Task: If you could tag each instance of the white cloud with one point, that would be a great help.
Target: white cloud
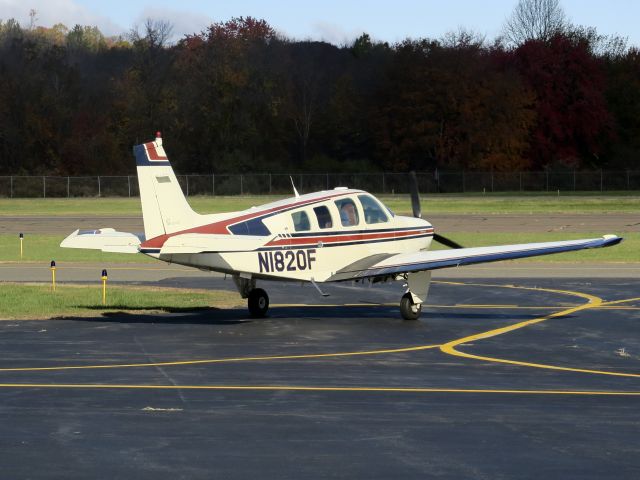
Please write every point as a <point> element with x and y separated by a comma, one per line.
<point>50,12</point>
<point>335,34</point>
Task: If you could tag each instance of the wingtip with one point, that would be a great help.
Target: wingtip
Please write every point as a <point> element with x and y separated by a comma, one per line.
<point>611,240</point>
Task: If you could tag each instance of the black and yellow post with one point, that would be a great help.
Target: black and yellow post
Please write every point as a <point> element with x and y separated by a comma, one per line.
<point>53,275</point>
<point>21,240</point>
<point>104,287</point>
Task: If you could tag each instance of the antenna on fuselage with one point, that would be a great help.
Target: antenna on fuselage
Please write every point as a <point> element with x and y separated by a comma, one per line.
<point>294,187</point>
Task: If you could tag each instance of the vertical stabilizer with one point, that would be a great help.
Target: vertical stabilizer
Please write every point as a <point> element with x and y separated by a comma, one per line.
<point>164,207</point>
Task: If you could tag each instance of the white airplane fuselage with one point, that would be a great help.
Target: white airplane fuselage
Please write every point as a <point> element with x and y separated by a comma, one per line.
<point>295,252</point>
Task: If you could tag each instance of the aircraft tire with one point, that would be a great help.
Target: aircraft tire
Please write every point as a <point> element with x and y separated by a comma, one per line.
<point>408,309</point>
<point>258,303</point>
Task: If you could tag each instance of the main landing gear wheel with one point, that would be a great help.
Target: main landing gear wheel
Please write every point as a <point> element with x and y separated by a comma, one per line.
<point>258,302</point>
<point>408,309</point>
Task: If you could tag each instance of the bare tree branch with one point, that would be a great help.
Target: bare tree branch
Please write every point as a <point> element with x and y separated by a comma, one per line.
<point>534,20</point>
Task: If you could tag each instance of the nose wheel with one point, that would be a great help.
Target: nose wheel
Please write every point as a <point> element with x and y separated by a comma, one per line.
<point>408,309</point>
<point>258,302</point>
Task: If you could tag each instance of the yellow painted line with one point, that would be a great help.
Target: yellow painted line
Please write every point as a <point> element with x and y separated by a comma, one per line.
<point>223,360</point>
<point>617,302</point>
<point>593,302</point>
<point>297,388</point>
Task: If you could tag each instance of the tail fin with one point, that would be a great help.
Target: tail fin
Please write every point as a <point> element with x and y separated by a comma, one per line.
<point>164,207</point>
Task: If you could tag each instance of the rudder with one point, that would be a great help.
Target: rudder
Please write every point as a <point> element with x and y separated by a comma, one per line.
<point>164,207</point>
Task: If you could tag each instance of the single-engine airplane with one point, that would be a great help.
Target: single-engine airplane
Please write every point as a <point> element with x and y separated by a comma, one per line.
<point>329,236</point>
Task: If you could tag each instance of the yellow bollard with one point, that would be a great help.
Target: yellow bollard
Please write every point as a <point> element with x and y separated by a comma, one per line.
<point>104,287</point>
<point>53,275</point>
<point>21,239</point>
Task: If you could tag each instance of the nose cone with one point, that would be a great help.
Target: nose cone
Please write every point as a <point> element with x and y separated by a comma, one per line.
<point>412,222</point>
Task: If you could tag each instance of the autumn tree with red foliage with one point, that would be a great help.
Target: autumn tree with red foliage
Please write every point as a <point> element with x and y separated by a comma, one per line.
<point>573,121</point>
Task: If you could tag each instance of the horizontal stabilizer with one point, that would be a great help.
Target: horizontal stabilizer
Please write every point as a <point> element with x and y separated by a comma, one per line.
<point>189,243</point>
<point>105,239</point>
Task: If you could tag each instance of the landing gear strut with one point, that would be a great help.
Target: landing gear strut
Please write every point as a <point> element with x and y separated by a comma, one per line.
<point>417,290</point>
<point>258,302</point>
<point>408,309</point>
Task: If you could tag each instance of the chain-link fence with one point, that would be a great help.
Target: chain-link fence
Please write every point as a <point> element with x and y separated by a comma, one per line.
<point>280,183</point>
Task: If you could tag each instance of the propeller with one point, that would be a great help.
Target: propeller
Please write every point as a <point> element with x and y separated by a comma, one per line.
<point>417,211</point>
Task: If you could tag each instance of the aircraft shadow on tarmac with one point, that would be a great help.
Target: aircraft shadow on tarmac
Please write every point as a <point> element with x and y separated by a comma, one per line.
<point>231,316</point>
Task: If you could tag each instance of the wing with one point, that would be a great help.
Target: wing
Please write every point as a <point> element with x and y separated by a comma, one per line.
<point>432,260</point>
<point>105,239</point>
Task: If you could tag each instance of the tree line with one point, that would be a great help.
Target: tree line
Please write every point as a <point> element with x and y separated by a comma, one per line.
<point>238,97</point>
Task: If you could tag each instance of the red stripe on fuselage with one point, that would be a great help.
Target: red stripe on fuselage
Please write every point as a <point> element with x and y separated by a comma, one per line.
<point>220,227</point>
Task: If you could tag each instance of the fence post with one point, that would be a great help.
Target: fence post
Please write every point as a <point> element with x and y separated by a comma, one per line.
<point>68,181</point>
<point>129,185</point>
<point>628,184</point>
<point>99,187</point>
<point>44,187</point>
<point>600,179</point>
<point>546,174</point>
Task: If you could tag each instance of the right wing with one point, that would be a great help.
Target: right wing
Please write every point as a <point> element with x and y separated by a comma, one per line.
<point>386,265</point>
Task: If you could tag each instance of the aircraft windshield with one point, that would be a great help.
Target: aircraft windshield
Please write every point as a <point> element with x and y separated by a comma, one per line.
<point>373,212</point>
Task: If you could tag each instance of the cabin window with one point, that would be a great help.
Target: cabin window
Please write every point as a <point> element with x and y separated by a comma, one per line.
<point>250,227</point>
<point>300,221</point>
<point>324,217</point>
<point>348,212</point>
<point>373,212</point>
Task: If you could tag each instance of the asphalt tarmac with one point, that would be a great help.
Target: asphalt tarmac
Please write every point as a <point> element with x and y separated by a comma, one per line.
<point>523,378</point>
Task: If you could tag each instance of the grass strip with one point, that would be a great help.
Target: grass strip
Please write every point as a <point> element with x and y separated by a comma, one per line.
<point>38,301</point>
<point>520,203</point>
<point>44,248</point>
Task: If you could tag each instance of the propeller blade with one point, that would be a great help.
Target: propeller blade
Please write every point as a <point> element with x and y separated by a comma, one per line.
<point>415,196</point>
<point>446,242</point>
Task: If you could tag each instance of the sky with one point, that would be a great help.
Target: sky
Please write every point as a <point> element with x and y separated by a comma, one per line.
<point>335,21</point>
